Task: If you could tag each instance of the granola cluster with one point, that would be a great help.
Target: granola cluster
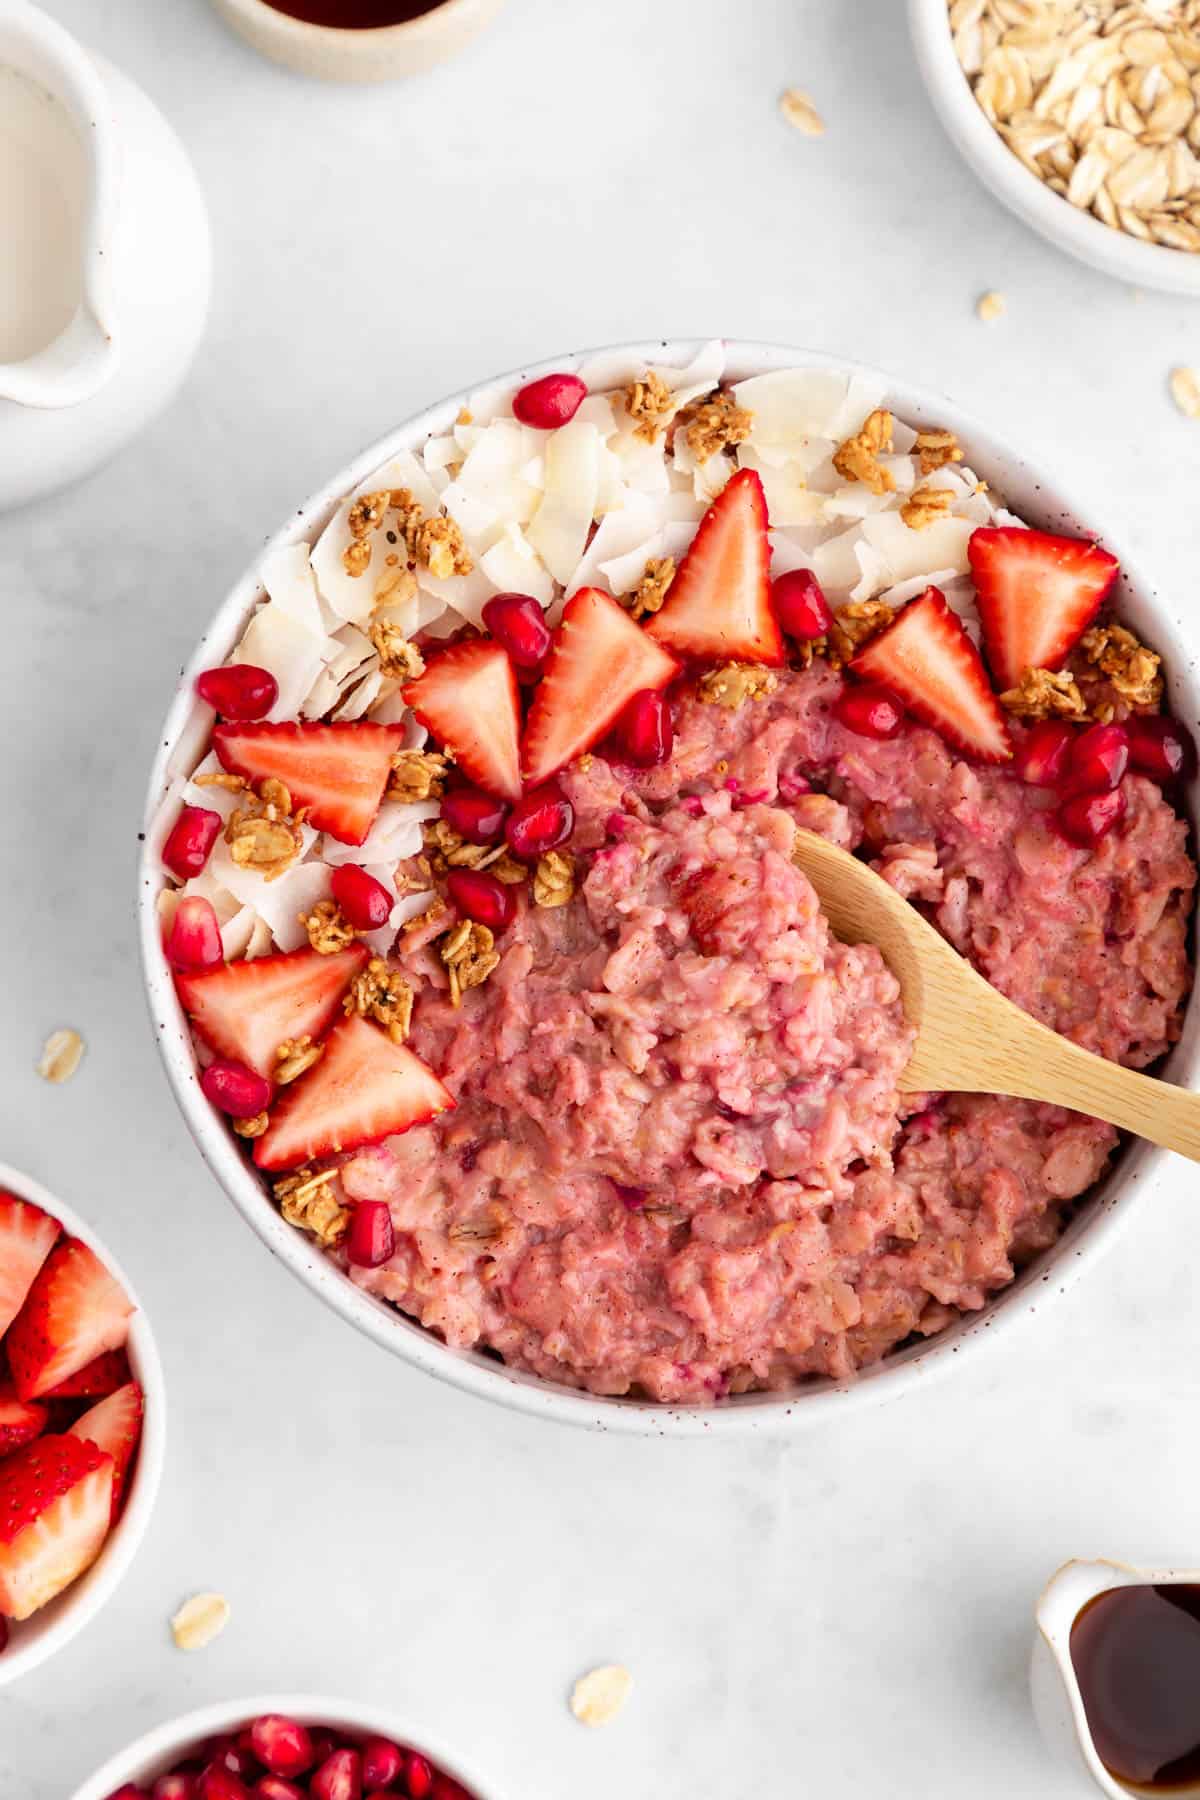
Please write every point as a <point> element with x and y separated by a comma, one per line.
<point>925,506</point>
<point>307,1201</point>
<point>470,955</point>
<point>1043,694</point>
<point>554,879</point>
<point>382,994</point>
<point>651,404</point>
<point>418,775</point>
<point>732,684</point>
<point>398,658</point>
<point>857,459</point>
<point>853,626</point>
<point>715,424</point>
<point>328,930</point>
<point>265,834</point>
<point>432,540</point>
<point>651,591</point>
<point>935,447</point>
<point>294,1057</point>
<point>1131,671</point>
<point>1111,675</point>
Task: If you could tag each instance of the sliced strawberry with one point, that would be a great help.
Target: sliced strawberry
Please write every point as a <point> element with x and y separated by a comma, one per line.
<point>103,1375</point>
<point>719,605</point>
<point>245,1010</point>
<point>20,1420</point>
<point>75,1310</point>
<point>599,661</point>
<point>364,1088</point>
<point>468,698</point>
<point>115,1425</point>
<point>27,1236</point>
<point>1037,596</point>
<point>338,772</point>
<point>927,659</point>
<point>55,1509</point>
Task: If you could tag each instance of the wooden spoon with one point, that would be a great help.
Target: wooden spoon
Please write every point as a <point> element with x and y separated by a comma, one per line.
<point>970,1039</point>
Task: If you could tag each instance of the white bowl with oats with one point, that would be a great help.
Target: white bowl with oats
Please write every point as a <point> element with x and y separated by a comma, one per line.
<point>1085,122</point>
<point>587,509</point>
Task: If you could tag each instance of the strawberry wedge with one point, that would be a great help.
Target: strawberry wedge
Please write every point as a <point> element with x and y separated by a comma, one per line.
<point>20,1420</point>
<point>27,1236</point>
<point>468,699</point>
<point>1037,596</point>
<point>719,605</point>
<point>115,1425</point>
<point>75,1310</point>
<point>103,1375</point>
<point>339,772</point>
<point>599,660</point>
<point>927,659</point>
<point>364,1088</point>
<point>245,1010</point>
<point>55,1511</point>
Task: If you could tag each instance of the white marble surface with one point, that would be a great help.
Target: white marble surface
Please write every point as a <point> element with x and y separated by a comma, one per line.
<point>845,1612</point>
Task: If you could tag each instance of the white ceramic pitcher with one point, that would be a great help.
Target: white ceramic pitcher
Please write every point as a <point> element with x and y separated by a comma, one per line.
<point>133,276</point>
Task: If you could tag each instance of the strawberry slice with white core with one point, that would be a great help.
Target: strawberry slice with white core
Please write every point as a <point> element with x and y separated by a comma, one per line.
<point>74,1311</point>
<point>245,1010</point>
<point>27,1236</point>
<point>339,772</point>
<point>468,699</point>
<point>1037,596</point>
<point>55,1510</point>
<point>364,1088</point>
<point>599,661</point>
<point>927,659</point>
<point>718,607</point>
<point>20,1420</point>
<point>115,1425</point>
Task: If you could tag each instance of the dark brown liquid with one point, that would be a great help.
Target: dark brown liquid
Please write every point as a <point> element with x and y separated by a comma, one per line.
<point>355,15</point>
<point>1136,1652</point>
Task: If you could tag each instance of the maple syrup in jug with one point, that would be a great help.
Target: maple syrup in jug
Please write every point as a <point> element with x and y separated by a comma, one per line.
<point>1136,1654</point>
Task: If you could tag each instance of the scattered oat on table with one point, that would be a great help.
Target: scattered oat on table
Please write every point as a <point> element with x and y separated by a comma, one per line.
<point>1185,391</point>
<point>61,1055</point>
<point>599,1696</point>
<point>199,1620</point>
<point>800,112</point>
<point>990,306</point>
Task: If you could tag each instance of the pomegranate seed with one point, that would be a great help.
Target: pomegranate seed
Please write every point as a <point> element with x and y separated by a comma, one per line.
<point>1099,758</point>
<point>130,1791</point>
<point>482,897</point>
<point>632,1198</point>
<point>540,821</point>
<point>274,1787</point>
<point>365,902</point>
<point>1161,748</point>
<point>216,1783</point>
<point>181,1785</point>
<point>194,940</point>
<point>282,1745</point>
<point>371,1239</point>
<point>475,815</point>
<point>239,1761</point>
<point>190,841</point>
<point>418,1777</point>
<point>553,400</point>
<point>1085,819</point>
<point>338,1778</point>
<point>799,603</point>
<point>445,1789</point>
<point>645,731</point>
<point>870,710</point>
<point>234,1089</point>
<point>518,622</point>
<point>1041,760</point>
<point>324,1744</point>
<point>239,691</point>
<point>383,1763</point>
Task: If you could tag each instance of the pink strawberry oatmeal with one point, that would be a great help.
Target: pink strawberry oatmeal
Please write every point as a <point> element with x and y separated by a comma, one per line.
<point>577,1073</point>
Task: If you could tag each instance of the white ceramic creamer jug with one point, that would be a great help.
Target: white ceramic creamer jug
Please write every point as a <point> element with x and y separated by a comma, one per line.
<point>105,260</point>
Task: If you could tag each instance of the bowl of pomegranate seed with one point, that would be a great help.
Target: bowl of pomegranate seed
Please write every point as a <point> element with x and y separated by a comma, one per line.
<point>82,1424</point>
<point>476,951</point>
<point>284,1749</point>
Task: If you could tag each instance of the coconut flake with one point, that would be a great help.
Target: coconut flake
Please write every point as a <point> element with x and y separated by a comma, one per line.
<point>275,640</point>
<point>789,499</point>
<point>905,553</point>
<point>514,566</point>
<point>559,529</point>
<point>623,573</point>
<point>617,533</point>
<point>277,902</point>
<point>360,697</point>
<point>904,591</point>
<point>395,834</point>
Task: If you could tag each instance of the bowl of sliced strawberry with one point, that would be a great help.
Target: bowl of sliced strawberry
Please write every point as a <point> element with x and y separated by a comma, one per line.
<point>475,947</point>
<point>283,1748</point>
<point>81,1424</point>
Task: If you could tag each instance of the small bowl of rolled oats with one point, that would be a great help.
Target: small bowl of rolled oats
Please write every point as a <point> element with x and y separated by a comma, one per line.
<point>1083,117</point>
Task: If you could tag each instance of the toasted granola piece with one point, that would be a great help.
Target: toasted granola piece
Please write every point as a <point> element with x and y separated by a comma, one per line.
<point>937,447</point>
<point>1045,694</point>
<point>651,403</point>
<point>306,1201</point>
<point>418,775</point>
<point>494,1228</point>
<point>265,834</point>
<point>715,424</point>
<point>651,590</point>
<point>857,458</point>
<point>469,953</point>
<point>854,626</point>
<point>440,546</point>
<point>382,994</point>
<point>251,1128</point>
<point>554,879</point>
<point>733,684</point>
<point>1133,672</point>
<point>328,929</point>
<point>413,875</point>
<point>925,506</point>
<point>221,778</point>
<point>293,1057</point>
<point>397,657</point>
<point>365,517</point>
<point>447,849</point>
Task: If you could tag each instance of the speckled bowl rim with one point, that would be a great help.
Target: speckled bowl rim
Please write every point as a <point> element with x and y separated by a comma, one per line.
<point>154,1752</point>
<point>65,1617</point>
<point>1032,493</point>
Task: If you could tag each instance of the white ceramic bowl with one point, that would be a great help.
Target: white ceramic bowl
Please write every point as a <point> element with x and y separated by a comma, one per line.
<point>56,1624</point>
<point>159,1750</point>
<point>383,54</point>
<point>1036,496</point>
<point>1114,252</point>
